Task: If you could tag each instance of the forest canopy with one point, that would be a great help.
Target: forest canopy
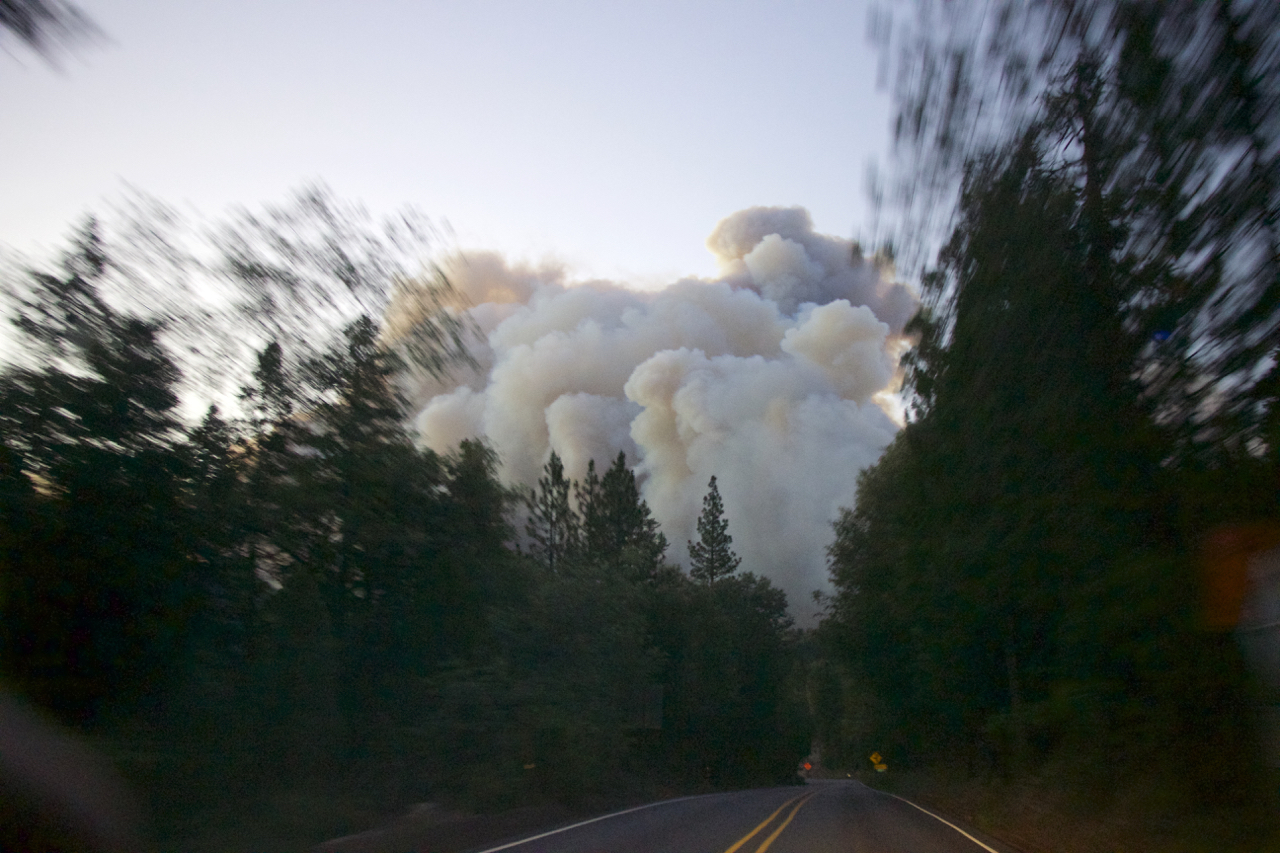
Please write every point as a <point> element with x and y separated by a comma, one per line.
<point>223,555</point>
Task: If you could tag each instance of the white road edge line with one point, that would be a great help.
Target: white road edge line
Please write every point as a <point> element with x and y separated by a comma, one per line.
<point>947,822</point>
<point>594,819</point>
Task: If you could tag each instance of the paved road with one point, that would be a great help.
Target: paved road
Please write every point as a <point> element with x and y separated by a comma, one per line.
<point>821,817</point>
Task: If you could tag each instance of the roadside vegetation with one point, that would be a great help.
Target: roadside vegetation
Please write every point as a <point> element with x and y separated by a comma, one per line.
<point>1024,621</point>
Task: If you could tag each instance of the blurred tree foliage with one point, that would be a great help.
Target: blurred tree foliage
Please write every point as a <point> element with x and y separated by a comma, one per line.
<point>1164,118</point>
<point>1091,392</point>
<point>45,25</point>
<point>295,599</point>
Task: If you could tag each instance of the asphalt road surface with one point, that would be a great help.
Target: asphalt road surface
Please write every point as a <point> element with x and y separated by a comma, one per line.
<point>821,817</point>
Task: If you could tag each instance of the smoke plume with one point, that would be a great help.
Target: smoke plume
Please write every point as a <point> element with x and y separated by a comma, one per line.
<point>771,377</point>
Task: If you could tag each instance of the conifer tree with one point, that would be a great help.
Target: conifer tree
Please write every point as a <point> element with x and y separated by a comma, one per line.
<point>617,527</point>
<point>712,557</point>
<point>588,496</point>
<point>100,591</point>
<point>554,528</point>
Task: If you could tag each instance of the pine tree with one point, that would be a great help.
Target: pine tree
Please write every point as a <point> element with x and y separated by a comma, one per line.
<point>588,496</point>
<point>474,534</point>
<point>554,527</point>
<point>101,591</point>
<point>617,527</point>
<point>274,522</point>
<point>218,500</point>
<point>711,557</point>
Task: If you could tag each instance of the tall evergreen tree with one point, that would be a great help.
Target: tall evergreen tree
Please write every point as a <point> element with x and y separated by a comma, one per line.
<point>103,580</point>
<point>277,513</point>
<point>475,538</point>
<point>618,528</point>
<point>588,497</point>
<point>712,557</point>
<point>554,527</point>
<point>219,502</point>
<point>376,543</point>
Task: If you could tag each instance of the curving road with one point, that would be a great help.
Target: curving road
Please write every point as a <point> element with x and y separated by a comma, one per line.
<point>821,817</point>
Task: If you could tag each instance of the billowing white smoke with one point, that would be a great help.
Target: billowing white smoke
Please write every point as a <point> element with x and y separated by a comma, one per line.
<point>767,378</point>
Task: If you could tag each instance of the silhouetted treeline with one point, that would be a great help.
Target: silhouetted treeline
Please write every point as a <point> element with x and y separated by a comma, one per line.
<point>1093,390</point>
<point>298,601</point>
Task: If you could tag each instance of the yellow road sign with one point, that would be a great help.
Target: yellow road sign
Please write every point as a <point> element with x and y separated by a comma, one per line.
<point>876,758</point>
<point>880,768</point>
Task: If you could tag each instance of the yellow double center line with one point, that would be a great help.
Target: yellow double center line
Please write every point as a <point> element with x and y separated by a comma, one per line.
<point>764,845</point>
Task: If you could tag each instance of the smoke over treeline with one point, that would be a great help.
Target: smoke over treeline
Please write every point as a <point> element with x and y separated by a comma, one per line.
<point>771,377</point>
<point>283,616</point>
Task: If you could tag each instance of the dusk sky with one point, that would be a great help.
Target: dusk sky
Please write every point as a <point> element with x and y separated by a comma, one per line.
<point>611,136</point>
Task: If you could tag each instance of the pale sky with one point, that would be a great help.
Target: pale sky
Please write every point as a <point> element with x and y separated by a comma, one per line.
<point>610,135</point>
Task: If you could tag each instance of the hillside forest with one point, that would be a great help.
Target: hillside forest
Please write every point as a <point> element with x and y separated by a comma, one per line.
<point>287,609</point>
